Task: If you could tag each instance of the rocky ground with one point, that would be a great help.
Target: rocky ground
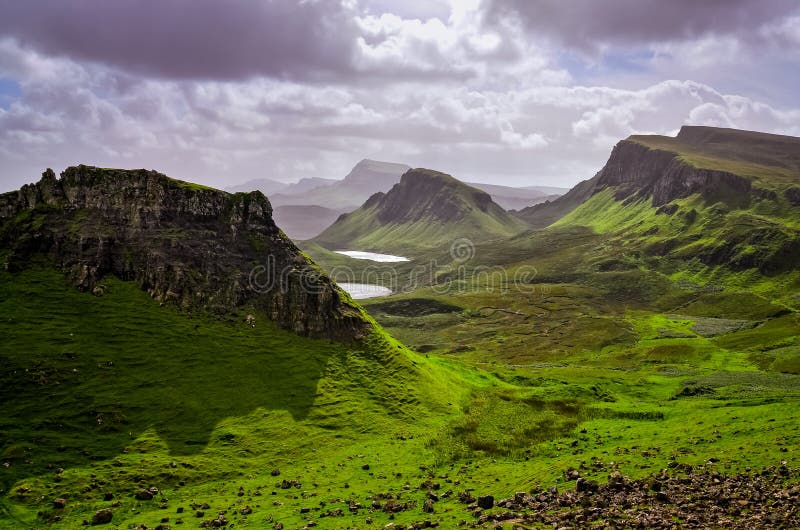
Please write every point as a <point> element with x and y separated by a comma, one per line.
<point>683,497</point>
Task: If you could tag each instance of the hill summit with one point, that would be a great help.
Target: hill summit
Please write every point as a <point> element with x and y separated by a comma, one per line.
<point>425,209</point>
<point>730,166</point>
<point>366,177</point>
<point>188,245</point>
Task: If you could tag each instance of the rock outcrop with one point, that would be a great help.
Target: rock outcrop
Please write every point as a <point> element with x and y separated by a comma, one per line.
<point>189,245</point>
<point>638,170</point>
<point>721,165</point>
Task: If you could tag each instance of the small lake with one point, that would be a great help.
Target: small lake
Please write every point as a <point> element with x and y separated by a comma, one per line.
<point>360,291</point>
<point>372,256</point>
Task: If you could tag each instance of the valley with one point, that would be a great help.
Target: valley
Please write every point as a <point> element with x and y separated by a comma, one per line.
<point>382,265</point>
<point>625,355</point>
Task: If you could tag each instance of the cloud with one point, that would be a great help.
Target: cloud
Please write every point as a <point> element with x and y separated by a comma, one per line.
<point>590,26</point>
<point>420,83</point>
<point>191,39</point>
<point>224,132</point>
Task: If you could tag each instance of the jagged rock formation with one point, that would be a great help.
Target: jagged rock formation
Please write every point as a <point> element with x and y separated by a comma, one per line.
<point>721,165</point>
<point>637,170</point>
<point>193,246</point>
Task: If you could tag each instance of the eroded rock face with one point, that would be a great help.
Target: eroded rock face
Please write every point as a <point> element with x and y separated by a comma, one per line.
<point>184,244</point>
<point>637,170</point>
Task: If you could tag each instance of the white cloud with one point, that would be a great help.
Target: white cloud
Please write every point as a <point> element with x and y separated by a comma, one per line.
<point>483,103</point>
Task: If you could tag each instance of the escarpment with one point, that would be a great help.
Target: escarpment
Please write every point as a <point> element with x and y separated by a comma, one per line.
<point>638,170</point>
<point>188,245</point>
<point>720,165</point>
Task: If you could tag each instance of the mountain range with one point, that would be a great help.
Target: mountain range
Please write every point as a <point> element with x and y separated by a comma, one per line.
<point>304,209</point>
<point>625,354</point>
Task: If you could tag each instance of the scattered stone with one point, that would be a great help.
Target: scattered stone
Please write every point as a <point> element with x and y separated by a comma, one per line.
<point>59,504</point>
<point>466,497</point>
<point>486,502</point>
<point>692,497</point>
<point>586,486</point>
<point>219,522</point>
<point>102,516</point>
<point>144,495</point>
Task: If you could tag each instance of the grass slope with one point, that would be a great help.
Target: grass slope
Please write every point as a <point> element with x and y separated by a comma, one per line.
<point>426,210</point>
<point>118,388</point>
<point>771,160</point>
<point>115,394</point>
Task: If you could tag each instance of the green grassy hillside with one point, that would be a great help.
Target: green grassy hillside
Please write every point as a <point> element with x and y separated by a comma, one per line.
<point>723,165</point>
<point>427,209</point>
<point>107,396</point>
<point>113,394</point>
<point>624,337</point>
<point>769,159</point>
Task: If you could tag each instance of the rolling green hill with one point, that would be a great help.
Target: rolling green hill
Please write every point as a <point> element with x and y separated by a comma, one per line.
<point>427,209</point>
<point>635,363</point>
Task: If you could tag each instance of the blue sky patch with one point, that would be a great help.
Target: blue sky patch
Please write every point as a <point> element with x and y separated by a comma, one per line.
<point>9,91</point>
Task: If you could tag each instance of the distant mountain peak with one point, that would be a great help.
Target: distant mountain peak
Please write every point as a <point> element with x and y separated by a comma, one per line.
<point>379,176</point>
<point>425,209</point>
<point>378,165</point>
<point>425,192</point>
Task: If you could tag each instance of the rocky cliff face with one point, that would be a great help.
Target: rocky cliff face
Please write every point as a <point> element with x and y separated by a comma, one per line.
<point>637,170</point>
<point>188,245</point>
<point>429,194</point>
<point>659,168</point>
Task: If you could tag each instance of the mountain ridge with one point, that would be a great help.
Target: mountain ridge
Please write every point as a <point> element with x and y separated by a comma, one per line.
<point>426,206</point>
<point>185,244</point>
<point>717,164</point>
<point>366,177</point>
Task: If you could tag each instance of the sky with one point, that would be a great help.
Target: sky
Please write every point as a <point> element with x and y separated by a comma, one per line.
<point>517,92</point>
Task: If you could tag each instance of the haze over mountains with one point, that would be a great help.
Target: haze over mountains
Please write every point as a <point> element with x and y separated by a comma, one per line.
<point>271,187</point>
<point>305,208</point>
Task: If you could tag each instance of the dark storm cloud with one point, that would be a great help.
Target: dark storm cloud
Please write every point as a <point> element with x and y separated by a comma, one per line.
<point>190,39</point>
<point>589,24</point>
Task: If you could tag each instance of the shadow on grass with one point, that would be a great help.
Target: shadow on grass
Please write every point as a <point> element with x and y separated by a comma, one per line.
<point>82,375</point>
